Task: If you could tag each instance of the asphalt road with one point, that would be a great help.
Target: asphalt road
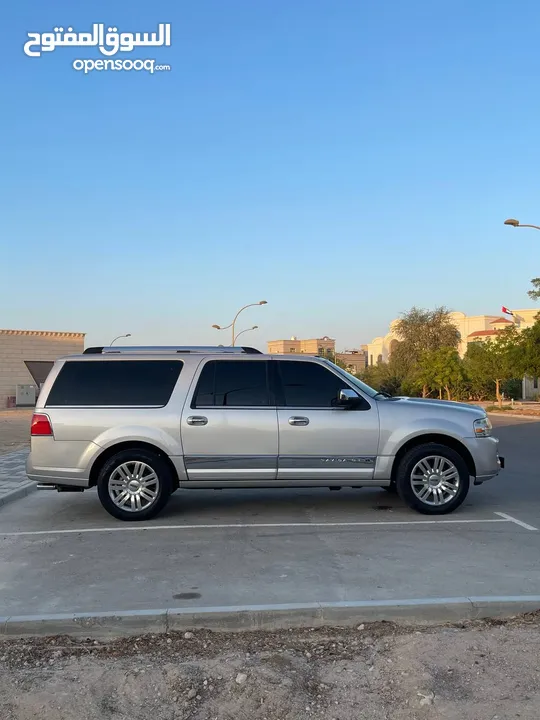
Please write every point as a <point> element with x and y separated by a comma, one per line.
<point>63,553</point>
<point>517,488</point>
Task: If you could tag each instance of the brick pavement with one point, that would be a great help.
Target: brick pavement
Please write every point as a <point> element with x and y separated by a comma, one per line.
<point>14,482</point>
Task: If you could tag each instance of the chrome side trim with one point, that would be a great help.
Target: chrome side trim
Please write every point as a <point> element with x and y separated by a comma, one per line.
<point>269,462</point>
<point>342,471</point>
<point>220,472</point>
<point>229,463</point>
<point>326,462</point>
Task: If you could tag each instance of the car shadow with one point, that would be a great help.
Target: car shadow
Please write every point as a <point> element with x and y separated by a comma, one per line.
<point>283,504</point>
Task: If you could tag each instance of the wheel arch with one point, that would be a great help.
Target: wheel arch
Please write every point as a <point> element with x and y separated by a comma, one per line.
<point>435,438</point>
<point>108,453</point>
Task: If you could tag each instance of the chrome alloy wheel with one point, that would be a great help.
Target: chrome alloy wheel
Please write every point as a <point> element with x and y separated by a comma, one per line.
<point>435,480</point>
<point>133,486</point>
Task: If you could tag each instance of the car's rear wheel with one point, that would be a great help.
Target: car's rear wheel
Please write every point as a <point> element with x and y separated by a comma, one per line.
<point>135,484</point>
<point>433,479</point>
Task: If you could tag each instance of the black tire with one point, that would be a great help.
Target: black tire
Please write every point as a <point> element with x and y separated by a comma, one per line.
<point>392,489</point>
<point>161,488</point>
<point>405,487</point>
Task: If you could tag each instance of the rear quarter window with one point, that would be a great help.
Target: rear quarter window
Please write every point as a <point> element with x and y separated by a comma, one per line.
<point>124,383</point>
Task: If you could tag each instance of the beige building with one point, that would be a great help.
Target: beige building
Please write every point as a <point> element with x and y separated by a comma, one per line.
<point>314,346</point>
<point>354,360</point>
<point>471,328</point>
<point>26,356</point>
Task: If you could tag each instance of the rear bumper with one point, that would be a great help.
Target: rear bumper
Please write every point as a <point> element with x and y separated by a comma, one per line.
<point>54,476</point>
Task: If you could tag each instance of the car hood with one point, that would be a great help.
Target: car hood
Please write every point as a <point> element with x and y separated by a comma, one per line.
<point>430,403</point>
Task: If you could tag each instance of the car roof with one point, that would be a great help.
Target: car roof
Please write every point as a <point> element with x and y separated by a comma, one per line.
<point>154,354</point>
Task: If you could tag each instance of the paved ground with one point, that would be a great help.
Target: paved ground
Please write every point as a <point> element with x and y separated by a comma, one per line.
<point>14,482</point>
<point>14,443</point>
<point>14,429</point>
<point>247,547</point>
<point>63,553</point>
<point>376,672</point>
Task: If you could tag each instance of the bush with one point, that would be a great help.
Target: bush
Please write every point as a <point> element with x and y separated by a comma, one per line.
<point>513,389</point>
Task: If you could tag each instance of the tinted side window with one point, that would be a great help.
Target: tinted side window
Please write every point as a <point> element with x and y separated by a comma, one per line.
<point>115,382</point>
<point>307,384</point>
<point>229,383</point>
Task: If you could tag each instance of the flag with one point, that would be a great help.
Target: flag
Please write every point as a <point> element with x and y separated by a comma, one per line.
<point>506,311</point>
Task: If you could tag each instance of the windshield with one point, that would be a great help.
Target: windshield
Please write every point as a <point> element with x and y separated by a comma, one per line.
<point>366,389</point>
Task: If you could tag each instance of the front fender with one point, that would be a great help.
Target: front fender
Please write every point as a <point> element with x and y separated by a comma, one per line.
<point>391,442</point>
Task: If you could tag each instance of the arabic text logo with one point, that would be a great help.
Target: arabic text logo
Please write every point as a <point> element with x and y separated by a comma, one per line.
<point>109,43</point>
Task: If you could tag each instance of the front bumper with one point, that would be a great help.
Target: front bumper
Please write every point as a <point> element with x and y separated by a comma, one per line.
<point>485,455</point>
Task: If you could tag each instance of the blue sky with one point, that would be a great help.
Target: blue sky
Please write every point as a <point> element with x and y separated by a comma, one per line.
<point>342,159</point>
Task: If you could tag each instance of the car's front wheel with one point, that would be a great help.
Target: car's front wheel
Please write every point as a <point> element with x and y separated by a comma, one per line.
<point>433,479</point>
<point>135,484</point>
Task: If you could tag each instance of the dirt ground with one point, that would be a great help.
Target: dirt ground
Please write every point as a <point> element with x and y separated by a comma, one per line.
<point>481,671</point>
<point>526,412</point>
<point>14,429</point>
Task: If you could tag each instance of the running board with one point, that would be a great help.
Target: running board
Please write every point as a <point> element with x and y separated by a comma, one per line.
<point>60,488</point>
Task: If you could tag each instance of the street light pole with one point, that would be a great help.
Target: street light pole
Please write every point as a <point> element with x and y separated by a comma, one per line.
<point>516,223</point>
<point>233,324</point>
<point>255,327</point>
<point>118,338</point>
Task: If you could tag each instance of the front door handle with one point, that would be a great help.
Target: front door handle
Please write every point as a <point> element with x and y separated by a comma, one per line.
<point>197,420</point>
<point>296,420</point>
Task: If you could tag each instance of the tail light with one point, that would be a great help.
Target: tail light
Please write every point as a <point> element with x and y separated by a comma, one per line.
<point>41,425</point>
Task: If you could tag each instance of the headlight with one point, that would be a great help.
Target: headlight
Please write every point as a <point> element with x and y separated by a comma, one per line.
<point>482,427</point>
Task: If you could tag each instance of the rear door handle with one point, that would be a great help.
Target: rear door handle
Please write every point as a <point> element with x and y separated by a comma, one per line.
<point>197,420</point>
<point>296,420</point>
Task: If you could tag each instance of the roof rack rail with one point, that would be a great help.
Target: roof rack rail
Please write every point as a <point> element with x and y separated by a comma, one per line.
<point>164,349</point>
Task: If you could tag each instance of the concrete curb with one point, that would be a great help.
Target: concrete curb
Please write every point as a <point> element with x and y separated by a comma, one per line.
<point>515,415</point>
<point>20,492</point>
<point>424,611</point>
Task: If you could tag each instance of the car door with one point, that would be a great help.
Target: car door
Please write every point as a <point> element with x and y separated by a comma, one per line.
<point>229,424</point>
<point>319,441</point>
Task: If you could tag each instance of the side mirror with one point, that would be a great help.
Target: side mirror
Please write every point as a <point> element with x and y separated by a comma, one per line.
<point>349,399</point>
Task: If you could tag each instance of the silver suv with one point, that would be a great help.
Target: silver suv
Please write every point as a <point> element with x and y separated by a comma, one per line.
<point>139,423</point>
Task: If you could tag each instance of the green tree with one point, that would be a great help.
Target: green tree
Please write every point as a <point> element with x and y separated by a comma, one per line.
<point>513,388</point>
<point>496,360</point>
<point>534,294</point>
<point>528,359</point>
<point>424,330</point>
<point>477,364</point>
<point>420,331</point>
<point>382,378</point>
<point>440,369</point>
